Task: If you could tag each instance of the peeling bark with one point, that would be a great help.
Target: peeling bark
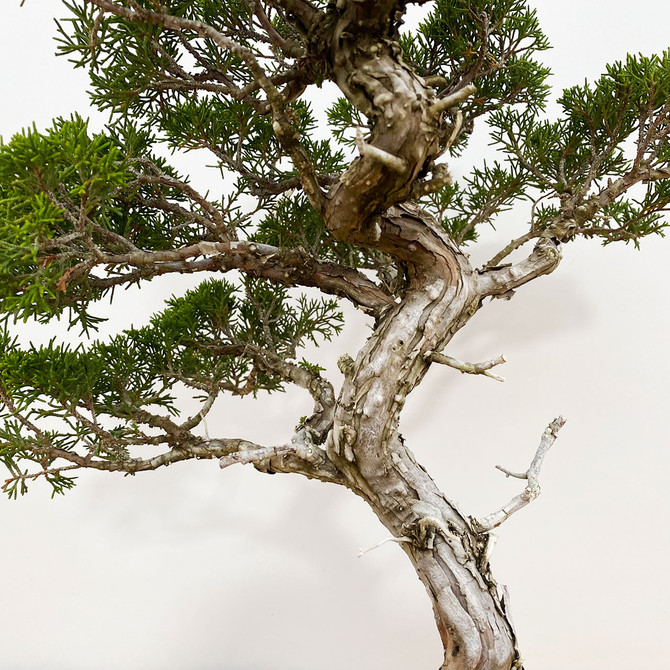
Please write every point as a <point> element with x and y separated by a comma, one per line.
<point>354,439</point>
<point>370,205</point>
<point>365,444</point>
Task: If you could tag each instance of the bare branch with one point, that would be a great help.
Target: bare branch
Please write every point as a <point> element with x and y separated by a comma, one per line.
<point>469,368</point>
<point>532,489</point>
<point>452,99</point>
<point>382,157</point>
<point>300,13</point>
<point>259,454</point>
<point>458,124</point>
<point>362,552</point>
<point>300,456</point>
<point>277,40</point>
<point>544,259</point>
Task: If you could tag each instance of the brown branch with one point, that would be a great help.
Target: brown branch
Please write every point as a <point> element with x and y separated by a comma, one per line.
<point>301,13</point>
<point>303,457</point>
<point>497,282</point>
<point>159,177</point>
<point>275,38</point>
<point>512,246</point>
<point>293,267</point>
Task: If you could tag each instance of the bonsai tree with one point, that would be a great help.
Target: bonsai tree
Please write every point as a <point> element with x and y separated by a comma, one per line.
<point>370,215</point>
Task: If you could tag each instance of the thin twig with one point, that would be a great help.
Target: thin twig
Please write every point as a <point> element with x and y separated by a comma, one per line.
<point>532,489</point>
<point>469,368</point>
<point>362,552</point>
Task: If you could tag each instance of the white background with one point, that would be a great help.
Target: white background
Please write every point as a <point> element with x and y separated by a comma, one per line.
<point>196,568</point>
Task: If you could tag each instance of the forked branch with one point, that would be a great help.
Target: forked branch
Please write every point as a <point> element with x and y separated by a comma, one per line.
<point>531,475</point>
<point>281,124</point>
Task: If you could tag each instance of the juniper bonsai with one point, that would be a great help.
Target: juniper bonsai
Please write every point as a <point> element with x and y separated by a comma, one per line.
<point>370,215</point>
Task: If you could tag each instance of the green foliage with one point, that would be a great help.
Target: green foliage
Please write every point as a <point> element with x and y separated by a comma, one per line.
<point>76,205</point>
<point>49,184</point>
<point>631,220</point>
<point>217,337</point>
<point>589,141</point>
<point>485,193</point>
<point>243,140</point>
<point>294,222</point>
<point>489,42</point>
<point>144,72</point>
<point>66,196</point>
<point>608,130</point>
<point>127,59</point>
<point>344,118</point>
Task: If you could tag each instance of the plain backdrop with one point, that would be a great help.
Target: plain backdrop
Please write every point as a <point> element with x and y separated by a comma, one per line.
<point>197,568</point>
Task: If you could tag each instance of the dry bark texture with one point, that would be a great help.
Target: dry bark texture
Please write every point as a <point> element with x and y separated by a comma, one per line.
<point>252,64</point>
<point>408,131</point>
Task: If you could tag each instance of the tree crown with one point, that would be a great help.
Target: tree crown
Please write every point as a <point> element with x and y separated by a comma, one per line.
<point>84,213</point>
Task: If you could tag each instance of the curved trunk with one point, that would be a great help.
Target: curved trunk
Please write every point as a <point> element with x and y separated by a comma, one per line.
<point>451,562</point>
<point>449,557</point>
<point>371,205</point>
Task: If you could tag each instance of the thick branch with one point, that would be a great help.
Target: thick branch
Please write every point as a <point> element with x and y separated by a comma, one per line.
<point>543,260</point>
<point>294,267</point>
<point>252,455</point>
<point>512,246</point>
<point>319,388</point>
<point>300,456</point>
<point>531,491</point>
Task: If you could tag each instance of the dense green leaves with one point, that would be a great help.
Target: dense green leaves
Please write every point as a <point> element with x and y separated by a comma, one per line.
<point>50,184</point>
<point>70,199</point>
<point>293,222</point>
<point>244,141</point>
<point>488,42</point>
<point>213,333</point>
<point>588,141</point>
<point>484,194</point>
<point>615,128</point>
<point>117,394</point>
<point>139,68</point>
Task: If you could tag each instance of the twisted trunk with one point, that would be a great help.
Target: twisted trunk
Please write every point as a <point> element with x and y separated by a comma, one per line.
<point>365,444</point>
<point>371,205</point>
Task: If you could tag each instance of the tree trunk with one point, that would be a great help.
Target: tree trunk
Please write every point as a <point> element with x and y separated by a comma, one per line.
<point>448,556</point>
<point>371,204</point>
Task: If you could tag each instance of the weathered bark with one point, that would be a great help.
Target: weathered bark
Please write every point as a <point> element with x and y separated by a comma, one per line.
<point>369,205</point>
<point>354,440</point>
<point>448,556</point>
